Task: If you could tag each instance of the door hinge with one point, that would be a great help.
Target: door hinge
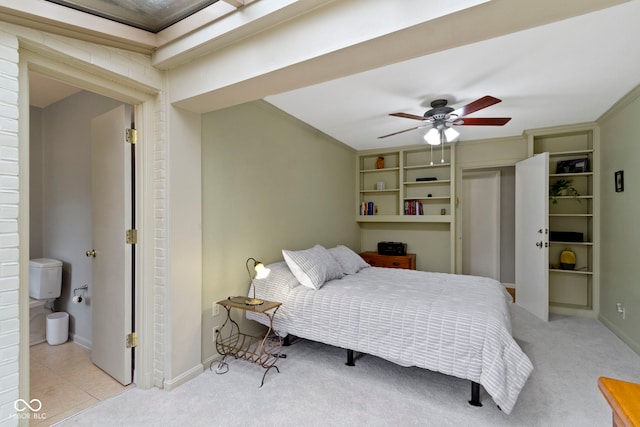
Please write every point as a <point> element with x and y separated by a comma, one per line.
<point>132,340</point>
<point>132,136</point>
<point>132,236</point>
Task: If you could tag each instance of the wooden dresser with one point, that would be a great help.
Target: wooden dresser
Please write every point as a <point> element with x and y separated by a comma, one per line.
<point>407,261</point>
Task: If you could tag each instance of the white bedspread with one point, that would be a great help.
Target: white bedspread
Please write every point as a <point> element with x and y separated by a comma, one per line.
<point>454,324</point>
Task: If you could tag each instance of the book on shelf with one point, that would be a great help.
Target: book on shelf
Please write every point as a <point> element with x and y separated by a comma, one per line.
<point>413,207</point>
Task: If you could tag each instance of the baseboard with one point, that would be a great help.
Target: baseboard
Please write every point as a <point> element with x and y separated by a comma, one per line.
<point>613,328</point>
<point>81,341</point>
<point>182,378</point>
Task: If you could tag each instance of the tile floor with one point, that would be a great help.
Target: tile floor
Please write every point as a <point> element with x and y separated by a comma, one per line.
<point>63,378</point>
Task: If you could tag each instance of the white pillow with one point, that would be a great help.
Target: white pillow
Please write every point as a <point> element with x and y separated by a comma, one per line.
<point>312,267</point>
<point>350,261</point>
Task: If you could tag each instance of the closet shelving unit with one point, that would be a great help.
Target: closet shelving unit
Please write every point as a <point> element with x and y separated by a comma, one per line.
<point>573,291</point>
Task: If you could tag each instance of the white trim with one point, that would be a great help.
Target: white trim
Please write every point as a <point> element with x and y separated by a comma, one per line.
<point>125,90</point>
<point>183,377</point>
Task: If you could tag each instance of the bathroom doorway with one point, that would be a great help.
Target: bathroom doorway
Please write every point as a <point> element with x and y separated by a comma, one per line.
<point>61,208</point>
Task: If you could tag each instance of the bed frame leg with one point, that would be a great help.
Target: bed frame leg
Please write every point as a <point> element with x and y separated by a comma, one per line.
<point>475,394</point>
<point>350,359</point>
<point>286,342</point>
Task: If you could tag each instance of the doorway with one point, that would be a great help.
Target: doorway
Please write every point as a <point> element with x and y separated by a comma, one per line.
<point>61,214</point>
<point>487,232</point>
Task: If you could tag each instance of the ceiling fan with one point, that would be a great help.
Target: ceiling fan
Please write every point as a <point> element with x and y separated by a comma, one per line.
<point>441,119</point>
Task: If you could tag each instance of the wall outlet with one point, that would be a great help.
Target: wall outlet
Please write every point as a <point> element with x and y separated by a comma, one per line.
<point>621,310</point>
<point>215,309</point>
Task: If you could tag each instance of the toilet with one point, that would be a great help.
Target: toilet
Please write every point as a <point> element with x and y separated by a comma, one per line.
<point>45,284</point>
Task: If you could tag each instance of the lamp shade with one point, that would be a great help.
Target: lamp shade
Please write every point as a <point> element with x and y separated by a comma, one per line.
<point>432,137</point>
<point>451,134</point>
<point>262,272</point>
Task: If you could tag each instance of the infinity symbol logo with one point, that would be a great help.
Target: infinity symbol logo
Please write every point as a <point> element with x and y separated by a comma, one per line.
<point>21,405</point>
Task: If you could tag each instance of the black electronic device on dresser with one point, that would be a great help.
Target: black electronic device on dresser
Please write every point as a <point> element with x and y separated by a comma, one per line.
<point>392,248</point>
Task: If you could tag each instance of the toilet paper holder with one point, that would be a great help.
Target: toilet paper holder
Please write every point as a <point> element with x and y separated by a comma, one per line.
<point>78,298</point>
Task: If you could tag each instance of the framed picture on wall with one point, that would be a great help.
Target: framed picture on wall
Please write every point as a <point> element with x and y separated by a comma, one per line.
<point>619,177</point>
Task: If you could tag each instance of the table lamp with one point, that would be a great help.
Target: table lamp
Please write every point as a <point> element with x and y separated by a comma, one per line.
<point>261,273</point>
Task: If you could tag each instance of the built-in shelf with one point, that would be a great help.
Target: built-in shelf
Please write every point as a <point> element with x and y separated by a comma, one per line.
<point>441,181</point>
<point>405,191</point>
<point>561,271</point>
<point>390,190</point>
<point>379,170</point>
<point>435,165</point>
<point>404,218</point>
<point>570,153</point>
<point>572,243</point>
<point>573,291</point>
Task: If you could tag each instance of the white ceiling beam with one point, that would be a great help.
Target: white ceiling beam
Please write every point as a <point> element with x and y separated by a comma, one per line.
<point>235,3</point>
<point>347,37</point>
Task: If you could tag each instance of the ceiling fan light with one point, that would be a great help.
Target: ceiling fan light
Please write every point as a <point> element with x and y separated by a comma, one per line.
<point>432,137</point>
<point>451,134</point>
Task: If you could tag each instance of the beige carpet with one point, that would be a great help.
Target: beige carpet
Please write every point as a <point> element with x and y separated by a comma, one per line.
<point>315,388</point>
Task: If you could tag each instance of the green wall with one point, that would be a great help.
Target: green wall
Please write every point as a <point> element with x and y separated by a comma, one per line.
<point>269,182</point>
<point>620,232</point>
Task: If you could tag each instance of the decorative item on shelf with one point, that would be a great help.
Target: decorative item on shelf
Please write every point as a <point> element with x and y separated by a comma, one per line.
<point>443,211</point>
<point>573,166</point>
<point>427,178</point>
<point>261,273</point>
<point>380,185</point>
<point>562,187</point>
<point>368,208</point>
<point>567,259</point>
<point>380,162</point>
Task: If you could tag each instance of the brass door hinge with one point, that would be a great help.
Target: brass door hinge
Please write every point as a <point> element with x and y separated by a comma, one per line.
<point>132,236</point>
<point>131,136</point>
<point>132,340</point>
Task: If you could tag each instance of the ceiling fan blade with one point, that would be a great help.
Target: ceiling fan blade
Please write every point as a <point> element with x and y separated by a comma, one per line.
<point>402,131</point>
<point>478,121</point>
<point>478,104</point>
<point>408,116</point>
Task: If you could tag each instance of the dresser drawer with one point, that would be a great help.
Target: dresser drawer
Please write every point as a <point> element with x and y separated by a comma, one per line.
<point>407,261</point>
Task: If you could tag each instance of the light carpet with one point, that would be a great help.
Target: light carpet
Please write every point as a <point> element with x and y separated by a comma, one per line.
<point>315,388</point>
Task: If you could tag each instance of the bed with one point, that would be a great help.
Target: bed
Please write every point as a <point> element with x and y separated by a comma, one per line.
<point>454,324</point>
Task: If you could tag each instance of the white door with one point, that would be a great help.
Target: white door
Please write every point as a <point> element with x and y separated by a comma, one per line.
<point>532,235</point>
<point>111,302</point>
<point>481,223</point>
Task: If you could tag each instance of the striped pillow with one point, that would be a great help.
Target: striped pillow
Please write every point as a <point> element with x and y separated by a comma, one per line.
<point>312,267</point>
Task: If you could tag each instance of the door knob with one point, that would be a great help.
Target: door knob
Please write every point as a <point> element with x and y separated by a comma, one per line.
<point>91,253</point>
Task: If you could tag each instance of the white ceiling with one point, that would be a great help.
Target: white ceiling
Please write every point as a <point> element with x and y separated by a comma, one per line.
<point>562,73</point>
